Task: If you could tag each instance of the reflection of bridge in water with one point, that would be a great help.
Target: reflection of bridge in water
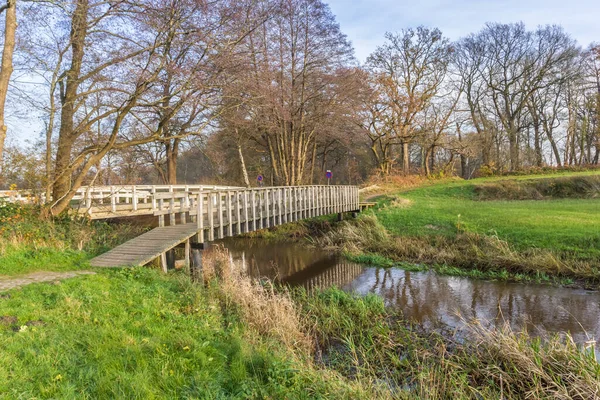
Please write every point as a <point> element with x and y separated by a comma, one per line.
<point>318,276</point>
<point>292,263</point>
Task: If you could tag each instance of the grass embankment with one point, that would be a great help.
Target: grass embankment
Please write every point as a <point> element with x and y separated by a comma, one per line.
<point>234,338</point>
<point>31,243</point>
<point>487,228</point>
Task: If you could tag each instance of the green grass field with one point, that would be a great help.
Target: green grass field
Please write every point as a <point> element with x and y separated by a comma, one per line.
<point>136,334</point>
<point>567,226</point>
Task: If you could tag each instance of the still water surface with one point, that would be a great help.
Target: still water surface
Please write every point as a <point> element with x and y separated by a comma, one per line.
<point>433,300</point>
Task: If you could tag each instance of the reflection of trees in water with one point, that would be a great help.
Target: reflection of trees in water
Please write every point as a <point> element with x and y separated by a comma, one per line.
<point>431,298</point>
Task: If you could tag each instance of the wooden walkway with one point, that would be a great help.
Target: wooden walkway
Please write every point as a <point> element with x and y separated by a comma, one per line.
<point>199,217</point>
<point>146,247</point>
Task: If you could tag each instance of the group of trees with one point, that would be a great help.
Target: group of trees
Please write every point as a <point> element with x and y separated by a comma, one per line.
<point>503,98</point>
<point>187,90</point>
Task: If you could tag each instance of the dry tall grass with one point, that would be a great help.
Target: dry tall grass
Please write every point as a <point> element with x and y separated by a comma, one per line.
<point>531,369</point>
<point>465,250</point>
<point>266,310</point>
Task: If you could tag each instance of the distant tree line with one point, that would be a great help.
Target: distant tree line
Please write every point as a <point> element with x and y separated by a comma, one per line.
<point>171,91</point>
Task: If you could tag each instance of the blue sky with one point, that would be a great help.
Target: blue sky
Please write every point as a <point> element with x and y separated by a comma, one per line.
<point>366,21</point>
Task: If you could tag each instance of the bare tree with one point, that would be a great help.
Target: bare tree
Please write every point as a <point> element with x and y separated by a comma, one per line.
<point>409,69</point>
<point>294,83</point>
<point>518,63</point>
<point>6,66</point>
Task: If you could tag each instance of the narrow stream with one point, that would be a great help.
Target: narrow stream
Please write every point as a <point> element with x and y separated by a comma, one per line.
<point>433,300</point>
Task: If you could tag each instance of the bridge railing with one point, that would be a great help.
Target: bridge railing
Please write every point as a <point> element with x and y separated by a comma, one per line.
<point>220,213</point>
<point>113,201</point>
<point>259,206</point>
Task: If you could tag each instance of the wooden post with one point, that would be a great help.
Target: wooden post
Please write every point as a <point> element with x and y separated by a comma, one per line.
<point>161,217</point>
<point>285,208</point>
<point>211,216</point>
<point>267,208</point>
<point>315,201</point>
<point>238,212</point>
<point>187,256</point>
<point>260,208</point>
<point>196,263</point>
<point>153,194</point>
<point>134,198</point>
<point>200,218</point>
<point>301,203</point>
<point>172,210</point>
<point>229,215</point>
<point>220,208</point>
<point>280,205</point>
<point>113,199</point>
<point>297,203</point>
<point>253,204</point>
<point>170,256</point>
<point>246,222</point>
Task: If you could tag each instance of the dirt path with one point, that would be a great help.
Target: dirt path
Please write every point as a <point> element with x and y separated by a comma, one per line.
<point>13,282</point>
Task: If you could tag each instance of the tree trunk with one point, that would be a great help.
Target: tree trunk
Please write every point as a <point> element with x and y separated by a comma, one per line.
<point>66,136</point>
<point>513,148</point>
<point>312,165</point>
<point>6,69</point>
<point>554,149</point>
<point>243,165</point>
<point>172,154</point>
<point>405,158</point>
<point>537,145</point>
<point>49,129</point>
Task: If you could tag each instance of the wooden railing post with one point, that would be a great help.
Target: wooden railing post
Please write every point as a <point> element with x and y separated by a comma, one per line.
<point>153,194</point>
<point>246,222</point>
<point>172,209</point>
<point>211,216</point>
<point>253,204</point>
<point>229,215</point>
<point>280,202</point>
<point>238,212</point>
<point>267,208</point>
<point>200,217</point>
<point>134,198</point>
<point>285,205</point>
<point>113,200</point>
<point>220,208</point>
<point>260,208</point>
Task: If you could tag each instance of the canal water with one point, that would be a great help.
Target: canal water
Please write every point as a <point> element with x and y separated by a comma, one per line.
<point>435,301</point>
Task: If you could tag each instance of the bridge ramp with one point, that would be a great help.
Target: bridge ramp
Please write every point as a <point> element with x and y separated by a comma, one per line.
<point>146,247</point>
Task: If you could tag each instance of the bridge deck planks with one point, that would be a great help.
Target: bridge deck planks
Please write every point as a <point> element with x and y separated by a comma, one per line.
<point>145,248</point>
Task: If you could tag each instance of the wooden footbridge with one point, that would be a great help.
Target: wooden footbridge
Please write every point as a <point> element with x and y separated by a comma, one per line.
<point>190,216</point>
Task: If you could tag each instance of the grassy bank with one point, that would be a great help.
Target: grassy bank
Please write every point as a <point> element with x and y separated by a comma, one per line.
<point>166,338</point>
<point>29,242</point>
<point>234,338</point>
<point>478,228</point>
